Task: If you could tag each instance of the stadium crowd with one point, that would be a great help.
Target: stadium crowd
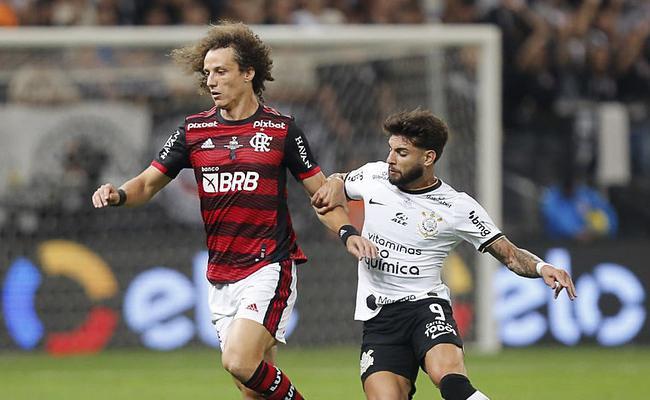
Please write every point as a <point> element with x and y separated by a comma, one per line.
<point>563,60</point>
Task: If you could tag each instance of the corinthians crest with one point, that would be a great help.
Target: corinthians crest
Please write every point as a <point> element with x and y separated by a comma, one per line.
<point>428,227</point>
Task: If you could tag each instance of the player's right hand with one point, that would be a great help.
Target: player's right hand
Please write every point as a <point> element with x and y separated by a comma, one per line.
<point>361,247</point>
<point>558,279</point>
<point>105,195</point>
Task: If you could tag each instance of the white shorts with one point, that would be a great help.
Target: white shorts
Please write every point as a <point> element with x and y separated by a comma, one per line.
<point>267,296</point>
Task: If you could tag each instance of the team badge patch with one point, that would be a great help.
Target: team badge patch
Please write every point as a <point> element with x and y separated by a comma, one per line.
<point>366,361</point>
<point>261,142</point>
<point>428,227</point>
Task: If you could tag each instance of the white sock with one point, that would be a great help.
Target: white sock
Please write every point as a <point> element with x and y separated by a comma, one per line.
<point>478,396</point>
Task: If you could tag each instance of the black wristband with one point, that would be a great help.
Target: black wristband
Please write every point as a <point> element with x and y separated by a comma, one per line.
<point>122,200</point>
<point>346,231</point>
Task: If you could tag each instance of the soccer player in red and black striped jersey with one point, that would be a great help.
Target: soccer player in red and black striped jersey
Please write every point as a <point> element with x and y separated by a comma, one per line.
<point>240,151</point>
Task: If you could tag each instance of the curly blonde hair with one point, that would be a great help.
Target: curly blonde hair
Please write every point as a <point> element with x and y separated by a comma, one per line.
<point>250,52</point>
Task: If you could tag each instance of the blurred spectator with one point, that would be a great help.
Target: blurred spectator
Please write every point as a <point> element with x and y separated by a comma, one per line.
<point>316,12</point>
<point>107,13</point>
<point>8,16</point>
<point>573,210</point>
<point>72,12</point>
<point>250,12</point>
<point>460,12</point>
<point>42,85</point>
<point>194,12</point>
<point>280,12</point>
<point>157,14</point>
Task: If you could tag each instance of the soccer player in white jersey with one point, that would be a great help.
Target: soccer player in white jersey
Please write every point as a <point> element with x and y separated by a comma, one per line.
<point>415,220</point>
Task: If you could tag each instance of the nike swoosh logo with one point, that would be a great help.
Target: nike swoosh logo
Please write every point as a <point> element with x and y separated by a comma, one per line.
<point>439,334</point>
<point>375,202</point>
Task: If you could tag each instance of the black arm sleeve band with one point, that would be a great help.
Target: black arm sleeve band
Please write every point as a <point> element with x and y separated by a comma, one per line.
<point>122,200</point>
<point>346,231</point>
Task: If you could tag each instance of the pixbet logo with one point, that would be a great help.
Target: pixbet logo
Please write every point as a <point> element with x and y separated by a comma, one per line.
<point>201,125</point>
<point>269,124</point>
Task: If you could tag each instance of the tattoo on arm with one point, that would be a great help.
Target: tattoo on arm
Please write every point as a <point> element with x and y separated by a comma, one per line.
<point>525,265</point>
<point>520,261</point>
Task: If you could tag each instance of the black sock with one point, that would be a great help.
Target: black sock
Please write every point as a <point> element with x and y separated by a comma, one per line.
<point>456,387</point>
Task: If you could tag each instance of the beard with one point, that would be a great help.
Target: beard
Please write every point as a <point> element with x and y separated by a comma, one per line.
<point>407,177</point>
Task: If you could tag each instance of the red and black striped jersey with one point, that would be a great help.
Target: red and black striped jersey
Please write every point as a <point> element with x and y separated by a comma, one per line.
<point>240,168</point>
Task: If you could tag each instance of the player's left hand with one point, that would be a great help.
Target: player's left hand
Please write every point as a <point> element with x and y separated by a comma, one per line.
<point>329,196</point>
<point>361,247</point>
<point>558,279</point>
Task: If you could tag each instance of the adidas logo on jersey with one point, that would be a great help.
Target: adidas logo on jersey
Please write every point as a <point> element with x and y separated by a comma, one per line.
<point>252,307</point>
<point>208,144</point>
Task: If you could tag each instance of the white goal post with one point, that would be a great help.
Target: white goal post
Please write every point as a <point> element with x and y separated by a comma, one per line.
<point>376,39</point>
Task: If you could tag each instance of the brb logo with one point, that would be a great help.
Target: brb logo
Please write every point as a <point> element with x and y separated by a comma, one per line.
<point>71,260</point>
<point>237,181</point>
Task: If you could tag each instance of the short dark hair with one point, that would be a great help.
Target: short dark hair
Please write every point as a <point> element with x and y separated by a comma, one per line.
<point>420,127</point>
<point>250,52</point>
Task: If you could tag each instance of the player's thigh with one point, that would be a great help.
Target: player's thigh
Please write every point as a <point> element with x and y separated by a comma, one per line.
<point>266,297</point>
<point>444,359</point>
<point>436,339</point>
<point>248,341</point>
<point>389,369</point>
<point>270,298</point>
<point>385,385</point>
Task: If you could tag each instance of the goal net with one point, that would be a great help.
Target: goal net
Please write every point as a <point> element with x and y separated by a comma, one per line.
<point>83,106</point>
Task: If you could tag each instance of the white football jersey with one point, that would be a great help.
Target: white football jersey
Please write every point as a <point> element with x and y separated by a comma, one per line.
<point>414,232</point>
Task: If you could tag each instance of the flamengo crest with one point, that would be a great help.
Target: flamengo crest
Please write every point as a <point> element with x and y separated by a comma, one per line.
<point>261,142</point>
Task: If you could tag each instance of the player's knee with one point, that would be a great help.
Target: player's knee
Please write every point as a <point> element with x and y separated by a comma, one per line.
<point>440,369</point>
<point>239,365</point>
<point>396,394</point>
<point>377,389</point>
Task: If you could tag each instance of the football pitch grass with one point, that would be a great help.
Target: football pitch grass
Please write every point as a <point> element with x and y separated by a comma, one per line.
<point>321,373</point>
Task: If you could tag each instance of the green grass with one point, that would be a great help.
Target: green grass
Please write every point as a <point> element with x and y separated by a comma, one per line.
<point>327,374</point>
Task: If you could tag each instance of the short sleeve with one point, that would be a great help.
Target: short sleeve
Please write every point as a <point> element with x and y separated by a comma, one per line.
<point>355,180</point>
<point>475,226</point>
<point>297,154</point>
<point>174,155</point>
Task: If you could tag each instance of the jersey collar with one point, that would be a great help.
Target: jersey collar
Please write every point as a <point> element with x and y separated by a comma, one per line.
<point>423,190</point>
<point>253,117</point>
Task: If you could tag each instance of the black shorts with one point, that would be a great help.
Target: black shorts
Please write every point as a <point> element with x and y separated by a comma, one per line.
<point>399,337</point>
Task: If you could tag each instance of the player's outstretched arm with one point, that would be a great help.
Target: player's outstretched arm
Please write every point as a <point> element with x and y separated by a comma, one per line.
<point>133,192</point>
<point>524,263</point>
<point>337,220</point>
<point>330,195</point>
